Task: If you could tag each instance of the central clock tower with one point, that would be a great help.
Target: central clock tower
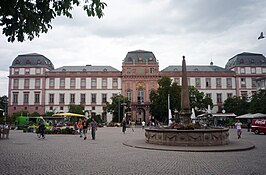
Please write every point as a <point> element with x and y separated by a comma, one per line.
<point>140,75</point>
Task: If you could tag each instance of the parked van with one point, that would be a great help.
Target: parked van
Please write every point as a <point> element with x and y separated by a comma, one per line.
<point>258,126</point>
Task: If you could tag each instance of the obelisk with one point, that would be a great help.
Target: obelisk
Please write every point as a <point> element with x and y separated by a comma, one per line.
<point>185,112</point>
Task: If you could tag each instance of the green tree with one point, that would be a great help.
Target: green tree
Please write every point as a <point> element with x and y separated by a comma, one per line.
<point>258,102</point>
<point>159,99</point>
<point>116,107</point>
<point>77,109</point>
<point>198,100</point>
<point>236,105</point>
<point>32,17</point>
<point>3,105</point>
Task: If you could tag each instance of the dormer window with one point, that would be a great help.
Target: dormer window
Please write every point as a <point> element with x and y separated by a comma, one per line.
<point>84,70</point>
<point>17,62</point>
<point>28,62</point>
<point>196,69</point>
<point>175,69</point>
<point>241,61</point>
<point>63,70</point>
<point>39,62</point>
<point>105,70</point>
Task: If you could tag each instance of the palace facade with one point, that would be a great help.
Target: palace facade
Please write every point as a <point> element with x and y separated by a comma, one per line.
<point>36,86</point>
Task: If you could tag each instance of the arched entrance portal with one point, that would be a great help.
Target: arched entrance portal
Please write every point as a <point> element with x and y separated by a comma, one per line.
<point>140,115</point>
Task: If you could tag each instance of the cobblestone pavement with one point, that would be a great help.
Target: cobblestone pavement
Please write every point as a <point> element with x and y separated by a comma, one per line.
<point>24,153</point>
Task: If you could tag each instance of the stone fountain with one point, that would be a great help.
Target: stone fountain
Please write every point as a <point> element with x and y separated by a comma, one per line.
<point>187,135</point>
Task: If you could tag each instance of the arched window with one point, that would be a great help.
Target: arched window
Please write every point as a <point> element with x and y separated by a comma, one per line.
<point>140,96</point>
<point>129,94</point>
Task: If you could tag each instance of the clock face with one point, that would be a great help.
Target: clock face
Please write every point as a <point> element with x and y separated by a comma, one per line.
<point>140,85</point>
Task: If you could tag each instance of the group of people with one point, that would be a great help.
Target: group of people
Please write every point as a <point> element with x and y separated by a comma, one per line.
<point>82,126</point>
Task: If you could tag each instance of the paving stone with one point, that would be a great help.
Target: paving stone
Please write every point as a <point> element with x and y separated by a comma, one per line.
<point>24,153</point>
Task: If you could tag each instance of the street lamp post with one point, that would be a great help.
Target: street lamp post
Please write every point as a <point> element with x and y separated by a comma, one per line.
<point>118,110</point>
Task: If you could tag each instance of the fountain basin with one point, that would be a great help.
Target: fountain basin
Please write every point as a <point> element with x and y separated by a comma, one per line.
<point>196,137</point>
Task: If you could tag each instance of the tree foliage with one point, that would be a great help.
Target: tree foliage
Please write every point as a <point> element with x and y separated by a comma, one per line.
<point>258,102</point>
<point>32,17</point>
<point>159,99</point>
<point>198,100</point>
<point>77,109</point>
<point>3,104</point>
<point>236,105</point>
<point>116,107</point>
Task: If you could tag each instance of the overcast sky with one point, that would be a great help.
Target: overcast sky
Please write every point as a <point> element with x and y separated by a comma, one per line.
<point>202,30</point>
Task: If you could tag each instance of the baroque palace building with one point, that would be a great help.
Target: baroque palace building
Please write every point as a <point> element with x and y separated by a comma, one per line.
<point>36,86</point>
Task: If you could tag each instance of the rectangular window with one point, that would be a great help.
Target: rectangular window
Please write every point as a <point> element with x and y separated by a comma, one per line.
<point>16,83</point>
<point>93,98</point>
<point>16,71</point>
<point>37,83</point>
<point>244,94</point>
<point>197,82</point>
<point>253,70</point>
<point>51,98</point>
<point>104,98</point>
<point>51,82</point>
<point>229,95</point>
<point>219,98</point>
<point>208,82</point>
<point>242,70</point>
<point>177,80</point>
<point>26,83</point>
<point>15,98</point>
<point>264,70</point>
<point>72,98</point>
<point>209,95</point>
<point>26,98</point>
<point>27,71</point>
<point>62,83</point>
<point>243,82</point>
<point>152,70</point>
<point>128,70</point>
<point>115,83</point>
<point>83,98</point>
<point>83,82</point>
<point>72,83</point>
<point>61,98</point>
<point>93,82</point>
<point>36,98</point>
<point>218,82</point>
<point>229,82</point>
<point>253,82</point>
<point>104,83</point>
<point>38,71</point>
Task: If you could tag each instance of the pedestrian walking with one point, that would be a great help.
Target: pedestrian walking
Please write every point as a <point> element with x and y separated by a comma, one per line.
<point>42,129</point>
<point>85,128</point>
<point>93,128</point>
<point>238,125</point>
<point>124,125</point>
<point>80,126</point>
<point>249,125</point>
<point>132,125</point>
<point>143,124</point>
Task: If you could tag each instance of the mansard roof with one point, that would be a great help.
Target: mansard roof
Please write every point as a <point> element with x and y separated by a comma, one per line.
<point>246,59</point>
<point>140,56</point>
<point>195,68</point>
<point>32,60</point>
<point>87,68</point>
